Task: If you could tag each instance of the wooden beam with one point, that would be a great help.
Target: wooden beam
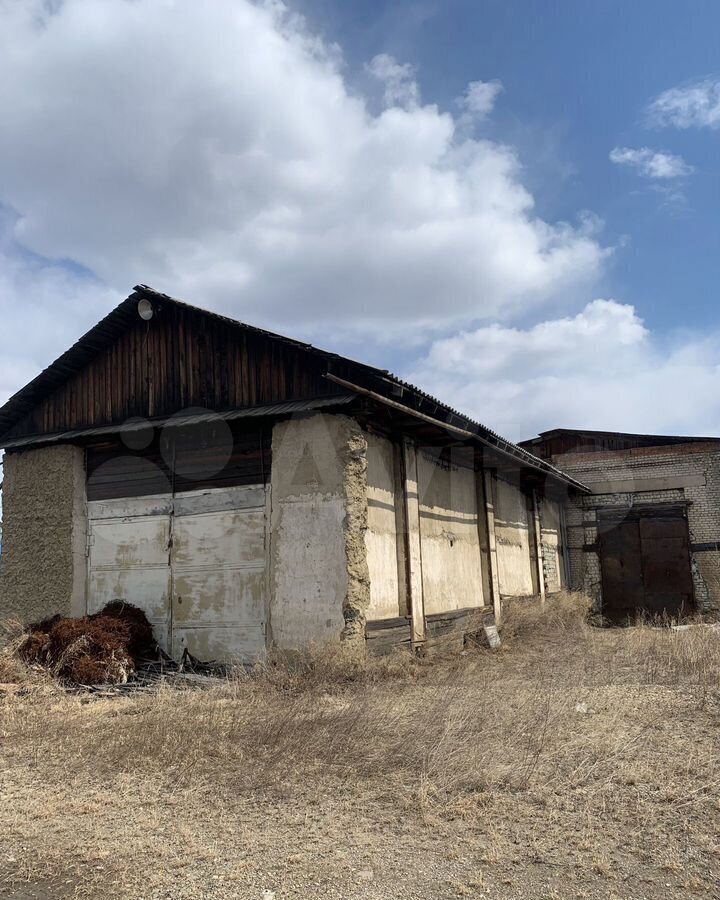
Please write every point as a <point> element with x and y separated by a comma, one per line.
<point>564,548</point>
<point>518,455</point>
<point>482,524</point>
<point>492,544</point>
<point>413,547</point>
<point>539,551</point>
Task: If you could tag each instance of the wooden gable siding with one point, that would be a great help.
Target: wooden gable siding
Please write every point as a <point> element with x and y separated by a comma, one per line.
<point>180,359</point>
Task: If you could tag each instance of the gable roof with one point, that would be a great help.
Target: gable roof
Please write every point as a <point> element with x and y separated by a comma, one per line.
<point>386,387</point>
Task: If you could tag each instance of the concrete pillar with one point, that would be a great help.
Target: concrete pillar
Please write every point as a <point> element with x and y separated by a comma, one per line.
<point>43,562</point>
<point>319,578</point>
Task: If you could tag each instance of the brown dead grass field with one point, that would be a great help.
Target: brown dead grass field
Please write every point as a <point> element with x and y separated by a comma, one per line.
<point>576,762</point>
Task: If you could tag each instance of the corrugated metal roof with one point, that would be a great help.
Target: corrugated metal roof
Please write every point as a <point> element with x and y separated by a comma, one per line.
<point>492,437</point>
<point>105,333</point>
<point>270,410</point>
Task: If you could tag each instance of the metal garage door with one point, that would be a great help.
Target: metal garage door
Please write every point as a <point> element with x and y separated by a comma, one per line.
<point>645,562</point>
<point>196,564</point>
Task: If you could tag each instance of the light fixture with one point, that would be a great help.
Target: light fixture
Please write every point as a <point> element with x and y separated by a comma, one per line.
<point>145,310</point>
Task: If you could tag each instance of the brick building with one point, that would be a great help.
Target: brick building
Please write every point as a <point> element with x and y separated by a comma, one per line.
<point>647,536</point>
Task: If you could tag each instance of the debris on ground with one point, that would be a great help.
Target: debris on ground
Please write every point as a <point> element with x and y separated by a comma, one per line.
<point>492,635</point>
<point>104,648</point>
<point>708,626</point>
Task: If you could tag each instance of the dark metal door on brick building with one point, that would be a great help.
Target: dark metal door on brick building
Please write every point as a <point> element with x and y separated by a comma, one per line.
<point>645,561</point>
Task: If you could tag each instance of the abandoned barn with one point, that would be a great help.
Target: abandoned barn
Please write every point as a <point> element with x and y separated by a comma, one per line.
<point>646,534</point>
<point>249,490</point>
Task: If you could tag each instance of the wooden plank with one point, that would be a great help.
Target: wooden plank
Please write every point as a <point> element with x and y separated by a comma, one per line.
<point>564,549</point>
<point>482,524</point>
<point>385,624</point>
<point>179,359</point>
<point>539,549</point>
<point>400,528</point>
<point>492,543</point>
<point>386,635</point>
<point>413,549</point>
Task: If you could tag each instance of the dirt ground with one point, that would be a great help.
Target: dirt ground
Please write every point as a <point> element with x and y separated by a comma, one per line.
<point>577,762</point>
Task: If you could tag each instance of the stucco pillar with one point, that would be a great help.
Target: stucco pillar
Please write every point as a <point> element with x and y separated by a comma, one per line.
<point>319,577</point>
<point>43,562</point>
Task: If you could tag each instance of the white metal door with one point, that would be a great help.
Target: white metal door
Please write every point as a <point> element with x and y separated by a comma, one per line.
<point>129,558</point>
<point>218,564</point>
<point>195,563</point>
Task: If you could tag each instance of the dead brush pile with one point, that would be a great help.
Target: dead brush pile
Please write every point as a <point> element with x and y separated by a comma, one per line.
<point>104,648</point>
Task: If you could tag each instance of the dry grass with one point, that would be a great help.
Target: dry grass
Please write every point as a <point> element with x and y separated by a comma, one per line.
<point>570,761</point>
<point>12,669</point>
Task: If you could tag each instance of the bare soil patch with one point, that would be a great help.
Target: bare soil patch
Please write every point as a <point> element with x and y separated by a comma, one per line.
<point>575,762</point>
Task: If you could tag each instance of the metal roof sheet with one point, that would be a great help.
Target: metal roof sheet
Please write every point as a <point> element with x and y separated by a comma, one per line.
<point>271,410</point>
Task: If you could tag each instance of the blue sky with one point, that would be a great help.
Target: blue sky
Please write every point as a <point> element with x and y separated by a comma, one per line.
<point>577,77</point>
<point>512,203</point>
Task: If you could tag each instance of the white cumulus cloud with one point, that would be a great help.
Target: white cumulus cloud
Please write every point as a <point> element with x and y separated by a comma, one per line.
<point>651,163</point>
<point>217,152</point>
<point>694,105</point>
<point>601,369</point>
<point>478,100</point>
<point>398,79</point>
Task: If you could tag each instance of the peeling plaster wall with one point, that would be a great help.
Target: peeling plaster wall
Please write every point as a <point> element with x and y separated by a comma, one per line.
<point>42,567</point>
<point>320,584</point>
<point>513,533</point>
<point>550,530</point>
<point>384,544</point>
<point>671,474</point>
<point>450,540</point>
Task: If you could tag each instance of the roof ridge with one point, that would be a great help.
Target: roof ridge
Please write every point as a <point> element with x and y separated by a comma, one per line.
<point>117,320</point>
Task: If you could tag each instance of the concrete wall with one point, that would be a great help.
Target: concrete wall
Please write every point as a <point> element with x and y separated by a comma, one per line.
<point>336,544</point>
<point>319,578</point>
<point>42,567</point>
<point>513,537</point>
<point>450,540</point>
<point>551,531</point>
<point>384,538</point>
<point>671,474</point>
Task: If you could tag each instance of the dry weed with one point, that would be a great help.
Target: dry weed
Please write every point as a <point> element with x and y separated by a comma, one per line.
<point>572,740</point>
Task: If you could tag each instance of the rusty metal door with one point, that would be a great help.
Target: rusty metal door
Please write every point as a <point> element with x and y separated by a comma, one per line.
<point>667,576</point>
<point>645,563</point>
<point>195,563</point>
<point>621,564</point>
